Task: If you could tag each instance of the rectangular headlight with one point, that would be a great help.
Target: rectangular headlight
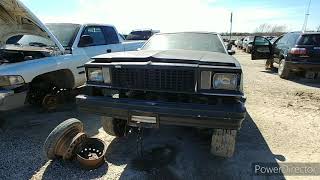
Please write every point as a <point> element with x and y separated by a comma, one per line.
<point>227,81</point>
<point>11,81</point>
<point>95,74</point>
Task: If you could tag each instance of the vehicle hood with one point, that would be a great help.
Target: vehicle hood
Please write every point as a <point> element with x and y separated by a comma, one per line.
<point>17,19</point>
<point>175,56</point>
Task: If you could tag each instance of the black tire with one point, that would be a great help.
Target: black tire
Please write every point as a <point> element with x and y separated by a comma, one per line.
<point>253,57</point>
<point>57,133</point>
<point>283,71</point>
<point>223,142</point>
<point>113,127</point>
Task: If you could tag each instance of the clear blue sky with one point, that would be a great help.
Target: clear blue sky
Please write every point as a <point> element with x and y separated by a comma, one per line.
<point>179,15</point>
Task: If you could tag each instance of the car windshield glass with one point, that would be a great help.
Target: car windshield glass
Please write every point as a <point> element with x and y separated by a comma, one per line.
<point>139,35</point>
<point>30,40</point>
<point>185,41</point>
<point>310,39</point>
<point>65,33</point>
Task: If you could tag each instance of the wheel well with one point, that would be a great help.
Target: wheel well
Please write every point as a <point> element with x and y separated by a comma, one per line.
<point>60,78</point>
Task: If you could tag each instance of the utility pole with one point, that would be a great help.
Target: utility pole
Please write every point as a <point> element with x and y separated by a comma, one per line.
<point>230,26</point>
<point>305,24</point>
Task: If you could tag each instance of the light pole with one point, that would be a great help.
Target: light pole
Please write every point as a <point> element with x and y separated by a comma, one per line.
<point>305,24</point>
<point>231,18</point>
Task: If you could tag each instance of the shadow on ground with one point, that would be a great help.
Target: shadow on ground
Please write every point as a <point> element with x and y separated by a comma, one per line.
<point>169,153</point>
<point>188,155</point>
<point>297,78</point>
<point>22,134</point>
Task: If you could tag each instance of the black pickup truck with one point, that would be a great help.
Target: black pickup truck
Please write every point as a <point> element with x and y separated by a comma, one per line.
<point>184,79</point>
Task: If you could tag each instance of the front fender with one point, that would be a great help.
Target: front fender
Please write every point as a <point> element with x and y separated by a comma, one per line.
<point>33,68</point>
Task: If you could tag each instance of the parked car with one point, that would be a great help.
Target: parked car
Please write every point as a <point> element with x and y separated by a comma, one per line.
<point>232,42</point>
<point>269,37</point>
<point>141,34</point>
<point>122,37</point>
<point>247,44</point>
<point>294,52</point>
<point>184,79</point>
<point>239,43</point>
<point>39,61</point>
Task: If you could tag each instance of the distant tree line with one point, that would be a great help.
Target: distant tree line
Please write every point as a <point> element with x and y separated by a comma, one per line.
<point>262,30</point>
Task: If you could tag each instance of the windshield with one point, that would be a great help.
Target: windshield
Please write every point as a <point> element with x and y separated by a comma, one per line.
<point>185,41</point>
<point>65,33</point>
<point>139,35</point>
<point>30,40</point>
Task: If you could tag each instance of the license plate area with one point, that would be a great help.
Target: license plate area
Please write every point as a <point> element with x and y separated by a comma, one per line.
<point>143,119</point>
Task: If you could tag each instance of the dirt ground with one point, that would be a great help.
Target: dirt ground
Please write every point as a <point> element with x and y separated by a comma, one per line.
<point>282,125</point>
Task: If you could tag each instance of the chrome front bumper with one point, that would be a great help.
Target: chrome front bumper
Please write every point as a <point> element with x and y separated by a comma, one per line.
<point>10,100</point>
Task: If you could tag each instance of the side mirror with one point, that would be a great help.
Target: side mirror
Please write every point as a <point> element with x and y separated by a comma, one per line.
<point>85,41</point>
<point>231,52</point>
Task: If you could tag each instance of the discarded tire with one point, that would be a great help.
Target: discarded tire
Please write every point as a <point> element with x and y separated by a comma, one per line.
<point>68,140</point>
<point>62,141</point>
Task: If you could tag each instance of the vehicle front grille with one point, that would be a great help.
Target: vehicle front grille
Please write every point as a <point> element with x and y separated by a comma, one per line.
<point>154,79</point>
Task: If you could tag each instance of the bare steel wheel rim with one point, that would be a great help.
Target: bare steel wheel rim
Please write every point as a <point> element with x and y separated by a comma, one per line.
<point>90,153</point>
<point>75,143</point>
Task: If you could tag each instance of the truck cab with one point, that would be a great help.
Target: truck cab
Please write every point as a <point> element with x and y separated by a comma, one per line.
<point>37,61</point>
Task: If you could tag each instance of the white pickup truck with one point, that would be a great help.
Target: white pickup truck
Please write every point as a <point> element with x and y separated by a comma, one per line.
<point>38,61</point>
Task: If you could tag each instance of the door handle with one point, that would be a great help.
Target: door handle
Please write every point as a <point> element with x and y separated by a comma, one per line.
<point>109,50</point>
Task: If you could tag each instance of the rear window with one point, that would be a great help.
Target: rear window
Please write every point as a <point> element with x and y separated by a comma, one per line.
<point>310,39</point>
<point>139,35</point>
<point>185,41</point>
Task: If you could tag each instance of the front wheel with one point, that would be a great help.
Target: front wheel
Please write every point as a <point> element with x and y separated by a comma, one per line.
<point>223,142</point>
<point>283,71</point>
<point>113,127</point>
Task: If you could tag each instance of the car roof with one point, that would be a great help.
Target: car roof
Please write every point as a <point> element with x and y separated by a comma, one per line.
<point>191,32</point>
<point>304,33</point>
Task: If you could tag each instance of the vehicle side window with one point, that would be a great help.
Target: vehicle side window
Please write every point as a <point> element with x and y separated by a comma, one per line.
<point>281,41</point>
<point>261,41</point>
<point>292,39</point>
<point>110,35</point>
<point>97,35</point>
